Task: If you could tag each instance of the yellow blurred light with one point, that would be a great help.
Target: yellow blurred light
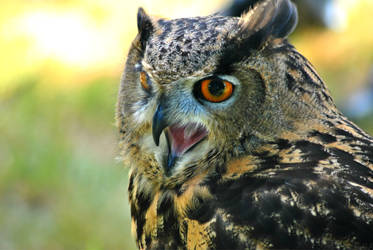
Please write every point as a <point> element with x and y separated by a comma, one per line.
<point>70,37</point>
<point>64,43</point>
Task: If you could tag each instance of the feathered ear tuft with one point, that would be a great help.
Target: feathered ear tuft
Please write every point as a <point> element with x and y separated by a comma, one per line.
<point>145,27</point>
<point>268,19</point>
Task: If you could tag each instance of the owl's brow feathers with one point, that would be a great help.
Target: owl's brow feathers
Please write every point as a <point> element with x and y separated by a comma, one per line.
<point>267,20</point>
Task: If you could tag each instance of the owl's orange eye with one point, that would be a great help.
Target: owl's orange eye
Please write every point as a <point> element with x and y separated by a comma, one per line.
<point>144,80</point>
<point>216,89</point>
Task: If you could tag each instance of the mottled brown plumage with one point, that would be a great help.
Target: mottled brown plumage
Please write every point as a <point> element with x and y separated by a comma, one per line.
<point>271,164</point>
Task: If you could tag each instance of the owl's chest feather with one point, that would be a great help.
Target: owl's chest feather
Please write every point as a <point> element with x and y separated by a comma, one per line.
<point>167,217</point>
<point>273,200</point>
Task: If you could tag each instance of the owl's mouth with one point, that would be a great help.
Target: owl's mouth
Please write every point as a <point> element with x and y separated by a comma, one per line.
<point>181,139</point>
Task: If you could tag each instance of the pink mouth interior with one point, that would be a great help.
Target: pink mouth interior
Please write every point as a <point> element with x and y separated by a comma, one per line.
<point>182,138</point>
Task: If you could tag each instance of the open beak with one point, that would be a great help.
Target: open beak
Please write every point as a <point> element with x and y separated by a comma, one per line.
<point>180,137</point>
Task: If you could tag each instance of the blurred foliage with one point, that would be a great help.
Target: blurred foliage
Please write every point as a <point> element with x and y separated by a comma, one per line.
<point>343,58</point>
<point>61,186</point>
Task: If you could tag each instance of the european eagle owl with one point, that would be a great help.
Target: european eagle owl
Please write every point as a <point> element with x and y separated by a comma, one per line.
<point>233,140</point>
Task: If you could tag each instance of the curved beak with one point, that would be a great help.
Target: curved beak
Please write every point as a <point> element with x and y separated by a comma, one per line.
<point>180,138</point>
<point>159,123</point>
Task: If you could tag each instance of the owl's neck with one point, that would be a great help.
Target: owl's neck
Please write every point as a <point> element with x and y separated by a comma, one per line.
<point>295,94</point>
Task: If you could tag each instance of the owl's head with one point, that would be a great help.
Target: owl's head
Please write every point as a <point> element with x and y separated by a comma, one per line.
<point>196,91</point>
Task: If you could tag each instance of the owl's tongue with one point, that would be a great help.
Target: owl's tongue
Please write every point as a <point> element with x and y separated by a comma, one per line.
<point>182,138</point>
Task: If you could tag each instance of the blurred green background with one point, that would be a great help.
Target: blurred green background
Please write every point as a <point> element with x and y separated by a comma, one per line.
<point>62,185</point>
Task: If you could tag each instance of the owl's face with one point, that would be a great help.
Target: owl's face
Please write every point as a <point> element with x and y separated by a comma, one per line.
<point>194,89</point>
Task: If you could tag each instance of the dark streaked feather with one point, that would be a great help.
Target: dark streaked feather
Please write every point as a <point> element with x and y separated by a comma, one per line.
<point>145,26</point>
<point>237,7</point>
<point>267,20</point>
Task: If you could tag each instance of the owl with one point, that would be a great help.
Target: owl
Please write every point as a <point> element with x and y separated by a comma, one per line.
<point>233,140</point>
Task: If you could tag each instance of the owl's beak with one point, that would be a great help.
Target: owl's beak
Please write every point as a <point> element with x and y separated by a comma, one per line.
<point>159,123</point>
<point>180,137</point>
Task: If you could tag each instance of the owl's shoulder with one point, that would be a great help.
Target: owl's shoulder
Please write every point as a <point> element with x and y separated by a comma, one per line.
<point>297,188</point>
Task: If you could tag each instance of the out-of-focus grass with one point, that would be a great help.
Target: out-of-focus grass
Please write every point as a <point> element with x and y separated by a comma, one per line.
<point>60,187</point>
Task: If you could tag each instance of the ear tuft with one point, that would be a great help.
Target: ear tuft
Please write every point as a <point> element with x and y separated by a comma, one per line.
<point>269,18</point>
<point>145,26</point>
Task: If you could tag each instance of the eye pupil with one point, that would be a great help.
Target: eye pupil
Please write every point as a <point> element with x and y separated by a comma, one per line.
<point>216,87</point>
